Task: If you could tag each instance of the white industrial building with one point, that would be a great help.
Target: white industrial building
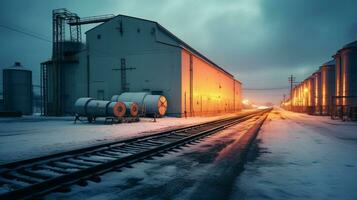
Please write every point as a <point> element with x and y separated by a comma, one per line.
<point>132,54</point>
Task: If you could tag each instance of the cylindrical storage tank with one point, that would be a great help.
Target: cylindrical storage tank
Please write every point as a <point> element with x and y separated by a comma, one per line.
<point>97,108</point>
<point>17,84</point>
<point>312,92</point>
<point>137,97</point>
<point>132,109</point>
<point>327,85</point>
<point>338,82</point>
<point>310,95</point>
<point>114,98</point>
<point>349,72</point>
<point>116,109</point>
<point>155,105</point>
<point>305,93</point>
<point>80,106</point>
<point>318,93</point>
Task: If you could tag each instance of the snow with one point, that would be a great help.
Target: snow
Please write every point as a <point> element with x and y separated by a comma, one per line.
<point>176,175</point>
<point>302,157</point>
<point>296,156</point>
<point>32,136</point>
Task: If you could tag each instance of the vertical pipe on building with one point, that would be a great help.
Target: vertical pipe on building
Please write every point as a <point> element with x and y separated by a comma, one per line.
<point>44,78</point>
<point>191,85</point>
<point>41,88</point>
<point>88,74</point>
<point>185,111</point>
<point>201,106</point>
<point>234,95</point>
<point>45,95</point>
<point>337,78</point>
<point>344,80</point>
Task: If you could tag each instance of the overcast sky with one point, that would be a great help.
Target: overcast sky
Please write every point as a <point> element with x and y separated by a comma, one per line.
<point>261,42</point>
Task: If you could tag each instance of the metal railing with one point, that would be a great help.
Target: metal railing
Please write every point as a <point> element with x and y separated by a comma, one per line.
<point>344,108</point>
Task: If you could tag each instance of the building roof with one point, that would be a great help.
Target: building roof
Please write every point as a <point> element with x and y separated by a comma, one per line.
<point>191,49</point>
<point>17,66</point>
<point>181,43</point>
<point>331,62</point>
<point>350,45</point>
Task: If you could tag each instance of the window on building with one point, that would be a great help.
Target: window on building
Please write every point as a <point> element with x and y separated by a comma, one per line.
<point>99,36</point>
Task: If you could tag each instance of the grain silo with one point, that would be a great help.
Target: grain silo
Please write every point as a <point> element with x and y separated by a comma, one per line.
<point>310,95</point>
<point>318,95</point>
<point>346,74</point>
<point>17,83</point>
<point>346,81</point>
<point>327,85</point>
<point>63,85</point>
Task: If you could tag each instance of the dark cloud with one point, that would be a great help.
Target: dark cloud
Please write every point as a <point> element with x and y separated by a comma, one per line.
<point>261,42</point>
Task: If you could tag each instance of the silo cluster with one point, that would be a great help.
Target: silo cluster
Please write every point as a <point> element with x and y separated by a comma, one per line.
<point>331,90</point>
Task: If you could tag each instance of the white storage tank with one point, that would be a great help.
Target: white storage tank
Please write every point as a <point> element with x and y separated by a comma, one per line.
<point>155,105</point>
<point>132,109</point>
<point>97,108</point>
<point>137,97</point>
<point>116,109</point>
<point>17,83</point>
<point>150,104</point>
<point>90,107</point>
<point>81,106</point>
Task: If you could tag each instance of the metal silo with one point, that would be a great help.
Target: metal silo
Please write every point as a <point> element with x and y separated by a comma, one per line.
<point>17,81</point>
<point>63,80</point>
<point>311,95</point>
<point>318,93</point>
<point>327,85</point>
<point>349,71</point>
<point>346,80</point>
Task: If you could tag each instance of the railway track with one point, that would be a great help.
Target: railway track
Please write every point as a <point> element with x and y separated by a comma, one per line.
<point>32,178</point>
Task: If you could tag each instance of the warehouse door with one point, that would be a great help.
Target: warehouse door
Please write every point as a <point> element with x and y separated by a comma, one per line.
<point>100,94</point>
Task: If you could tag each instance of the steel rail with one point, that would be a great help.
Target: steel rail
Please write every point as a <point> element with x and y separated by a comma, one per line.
<point>27,180</point>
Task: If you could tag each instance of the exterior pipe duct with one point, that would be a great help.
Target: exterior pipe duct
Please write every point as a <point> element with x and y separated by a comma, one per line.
<point>151,105</point>
<point>91,108</point>
<point>131,108</point>
<point>137,97</point>
<point>97,108</point>
<point>155,105</point>
<point>81,106</point>
<point>116,109</point>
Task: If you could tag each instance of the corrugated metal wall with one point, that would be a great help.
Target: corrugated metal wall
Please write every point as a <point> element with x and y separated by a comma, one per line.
<point>206,90</point>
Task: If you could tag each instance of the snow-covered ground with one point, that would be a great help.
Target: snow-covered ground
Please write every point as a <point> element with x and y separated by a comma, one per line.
<point>296,156</point>
<point>32,136</point>
<point>176,175</point>
<point>302,157</point>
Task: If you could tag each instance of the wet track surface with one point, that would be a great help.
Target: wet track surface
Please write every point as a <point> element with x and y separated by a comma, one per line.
<point>39,176</point>
<point>301,157</point>
<point>177,175</point>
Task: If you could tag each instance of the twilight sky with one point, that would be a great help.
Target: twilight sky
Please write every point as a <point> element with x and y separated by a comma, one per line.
<point>261,42</point>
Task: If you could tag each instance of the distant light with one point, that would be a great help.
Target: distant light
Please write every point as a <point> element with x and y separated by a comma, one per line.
<point>246,102</point>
